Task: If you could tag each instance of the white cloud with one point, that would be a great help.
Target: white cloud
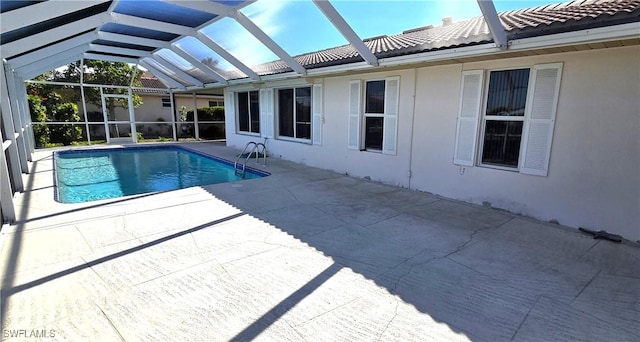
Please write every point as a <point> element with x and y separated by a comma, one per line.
<point>266,14</point>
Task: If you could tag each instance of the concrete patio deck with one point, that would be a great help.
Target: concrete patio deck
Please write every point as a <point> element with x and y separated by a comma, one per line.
<point>304,255</point>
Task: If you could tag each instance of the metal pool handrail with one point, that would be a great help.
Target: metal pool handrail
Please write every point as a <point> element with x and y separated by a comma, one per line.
<point>256,149</point>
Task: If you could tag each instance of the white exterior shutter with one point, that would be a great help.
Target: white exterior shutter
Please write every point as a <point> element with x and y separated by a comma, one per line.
<point>263,113</point>
<point>316,122</point>
<point>230,111</point>
<point>467,127</point>
<point>390,126</point>
<point>354,114</point>
<point>540,119</point>
<point>266,112</point>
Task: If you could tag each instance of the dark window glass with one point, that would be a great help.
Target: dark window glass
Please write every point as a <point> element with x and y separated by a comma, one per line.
<point>502,142</point>
<point>507,94</point>
<point>373,133</point>
<point>243,112</point>
<point>285,112</point>
<point>254,107</point>
<point>166,102</point>
<point>374,100</point>
<point>303,113</point>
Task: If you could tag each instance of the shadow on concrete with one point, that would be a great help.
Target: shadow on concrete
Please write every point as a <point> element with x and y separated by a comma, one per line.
<point>8,290</point>
<point>270,317</point>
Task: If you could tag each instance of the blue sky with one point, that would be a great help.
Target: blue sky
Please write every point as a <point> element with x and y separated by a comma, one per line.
<point>298,26</point>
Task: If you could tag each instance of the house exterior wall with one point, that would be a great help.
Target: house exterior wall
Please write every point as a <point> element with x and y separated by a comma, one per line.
<point>151,109</point>
<point>594,169</point>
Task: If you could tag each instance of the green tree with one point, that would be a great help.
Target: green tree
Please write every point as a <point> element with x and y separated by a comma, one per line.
<point>105,73</point>
<point>66,133</point>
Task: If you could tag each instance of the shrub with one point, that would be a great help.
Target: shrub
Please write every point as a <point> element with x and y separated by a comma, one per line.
<point>207,114</point>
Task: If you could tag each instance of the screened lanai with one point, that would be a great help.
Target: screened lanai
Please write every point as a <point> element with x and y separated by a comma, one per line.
<point>391,216</point>
<point>191,47</point>
<point>197,49</point>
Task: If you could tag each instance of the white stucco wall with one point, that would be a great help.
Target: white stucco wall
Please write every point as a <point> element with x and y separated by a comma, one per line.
<point>151,108</point>
<point>594,169</point>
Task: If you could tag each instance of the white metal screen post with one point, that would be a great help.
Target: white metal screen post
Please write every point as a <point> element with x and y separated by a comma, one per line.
<point>6,195</point>
<point>131,121</point>
<point>7,120</point>
<point>18,127</point>
<point>132,118</point>
<point>84,101</point>
<point>173,115</point>
<point>28,127</point>
<point>105,117</point>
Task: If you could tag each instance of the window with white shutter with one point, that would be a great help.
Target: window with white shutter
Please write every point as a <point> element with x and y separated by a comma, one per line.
<point>379,117</point>
<point>518,115</point>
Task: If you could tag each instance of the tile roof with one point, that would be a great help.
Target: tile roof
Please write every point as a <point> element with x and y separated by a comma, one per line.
<point>148,80</point>
<point>530,22</point>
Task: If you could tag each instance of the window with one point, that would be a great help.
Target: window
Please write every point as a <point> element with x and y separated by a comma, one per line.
<point>378,120</point>
<point>166,102</point>
<point>374,114</point>
<point>294,113</point>
<point>248,112</point>
<point>516,117</point>
<point>216,103</point>
<point>504,117</point>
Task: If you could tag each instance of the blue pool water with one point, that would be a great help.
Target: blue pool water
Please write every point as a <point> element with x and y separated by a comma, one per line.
<point>90,175</point>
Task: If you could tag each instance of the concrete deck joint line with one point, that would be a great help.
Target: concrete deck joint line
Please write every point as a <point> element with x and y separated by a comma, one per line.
<point>395,314</point>
<point>111,324</point>
<point>525,318</point>
<point>587,285</point>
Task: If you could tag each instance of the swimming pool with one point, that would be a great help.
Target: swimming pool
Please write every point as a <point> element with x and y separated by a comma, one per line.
<point>90,175</point>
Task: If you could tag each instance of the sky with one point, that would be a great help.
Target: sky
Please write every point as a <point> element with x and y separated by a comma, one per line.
<point>298,26</point>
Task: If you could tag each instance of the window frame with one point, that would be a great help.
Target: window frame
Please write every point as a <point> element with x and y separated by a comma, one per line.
<point>237,112</point>
<point>276,107</point>
<point>166,103</point>
<point>484,117</point>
